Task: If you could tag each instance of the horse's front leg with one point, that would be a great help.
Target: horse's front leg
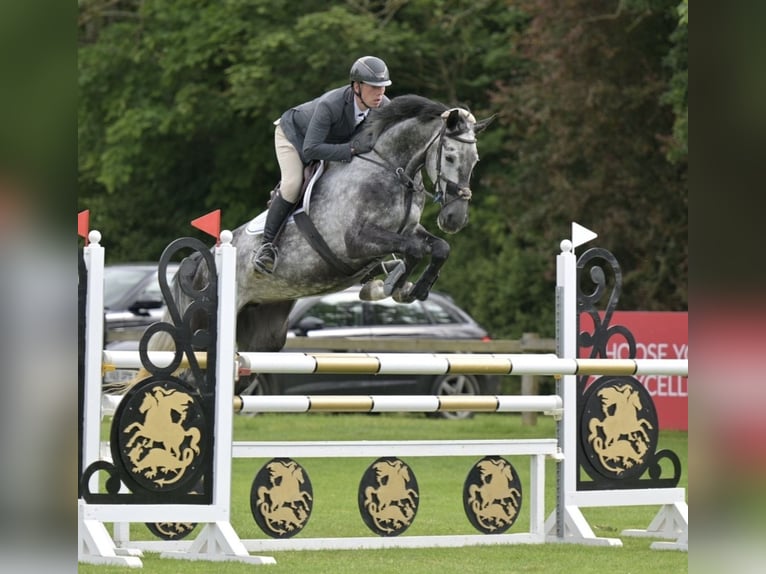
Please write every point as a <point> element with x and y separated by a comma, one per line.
<point>377,242</point>
<point>439,250</point>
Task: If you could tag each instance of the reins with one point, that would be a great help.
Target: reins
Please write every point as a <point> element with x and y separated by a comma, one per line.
<point>401,175</point>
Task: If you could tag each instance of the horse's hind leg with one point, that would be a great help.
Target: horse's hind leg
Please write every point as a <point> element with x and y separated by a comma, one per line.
<point>263,326</point>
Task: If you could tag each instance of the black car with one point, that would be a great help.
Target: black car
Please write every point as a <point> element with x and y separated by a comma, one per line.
<point>132,302</point>
<point>343,314</point>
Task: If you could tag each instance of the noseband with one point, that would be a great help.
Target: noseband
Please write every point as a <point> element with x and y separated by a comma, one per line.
<point>455,190</point>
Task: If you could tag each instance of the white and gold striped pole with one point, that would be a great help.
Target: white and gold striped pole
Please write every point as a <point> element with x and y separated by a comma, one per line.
<point>418,364</point>
<point>442,364</point>
<point>550,404</point>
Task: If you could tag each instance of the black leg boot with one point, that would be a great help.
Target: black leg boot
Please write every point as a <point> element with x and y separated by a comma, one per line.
<point>265,259</point>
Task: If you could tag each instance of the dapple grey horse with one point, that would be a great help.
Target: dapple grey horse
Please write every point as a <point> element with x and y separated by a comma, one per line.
<point>364,211</point>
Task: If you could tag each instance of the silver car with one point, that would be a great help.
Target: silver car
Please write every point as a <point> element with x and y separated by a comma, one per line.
<point>344,315</point>
<point>132,301</point>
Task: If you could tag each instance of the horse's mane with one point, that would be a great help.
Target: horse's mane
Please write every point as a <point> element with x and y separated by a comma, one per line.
<point>402,108</point>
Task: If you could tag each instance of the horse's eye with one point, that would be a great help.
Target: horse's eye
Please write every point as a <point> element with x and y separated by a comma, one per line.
<point>449,159</point>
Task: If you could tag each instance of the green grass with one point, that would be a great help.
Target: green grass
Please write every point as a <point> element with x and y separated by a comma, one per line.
<point>335,512</point>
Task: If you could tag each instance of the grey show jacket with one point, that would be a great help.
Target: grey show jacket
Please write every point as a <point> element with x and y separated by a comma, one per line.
<point>323,127</point>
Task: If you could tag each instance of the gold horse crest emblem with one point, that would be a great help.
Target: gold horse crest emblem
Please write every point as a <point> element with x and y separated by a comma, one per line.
<point>160,437</point>
<point>281,498</point>
<point>388,496</point>
<point>492,495</point>
<point>621,428</point>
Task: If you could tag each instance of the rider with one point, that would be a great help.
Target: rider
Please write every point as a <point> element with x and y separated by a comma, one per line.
<point>321,129</point>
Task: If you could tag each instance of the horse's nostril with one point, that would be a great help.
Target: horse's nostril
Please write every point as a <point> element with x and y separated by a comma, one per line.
<point>453,220</point>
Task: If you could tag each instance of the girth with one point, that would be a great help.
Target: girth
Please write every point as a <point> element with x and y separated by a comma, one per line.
<point>314,238</point>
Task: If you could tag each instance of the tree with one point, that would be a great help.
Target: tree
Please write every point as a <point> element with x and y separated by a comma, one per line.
<point>177,100</point>
<point>677,95</point>
<point>585,130</point>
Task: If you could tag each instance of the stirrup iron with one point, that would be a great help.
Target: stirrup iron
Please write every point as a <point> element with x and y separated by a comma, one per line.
<point>265,259</point>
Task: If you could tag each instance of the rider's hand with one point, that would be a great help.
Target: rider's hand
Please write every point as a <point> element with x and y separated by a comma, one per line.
<point>361,145</point>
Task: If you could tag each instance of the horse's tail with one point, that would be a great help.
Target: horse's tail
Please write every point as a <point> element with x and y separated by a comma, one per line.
<point>191,273</point>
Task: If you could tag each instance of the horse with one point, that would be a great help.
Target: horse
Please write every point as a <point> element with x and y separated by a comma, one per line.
<point>363,211</point>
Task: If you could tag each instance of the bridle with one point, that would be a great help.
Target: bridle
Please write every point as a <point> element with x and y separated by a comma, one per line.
<point>452,191</point>
<point>457,191</point>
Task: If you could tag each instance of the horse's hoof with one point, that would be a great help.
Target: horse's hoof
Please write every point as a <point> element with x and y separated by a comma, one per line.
<point>404,293</point>
<point>372,291</point>
<point>420,294</point>
<point>423,288</point>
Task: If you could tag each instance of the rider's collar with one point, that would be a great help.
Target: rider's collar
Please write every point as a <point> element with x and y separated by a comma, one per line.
<point>359,115</point>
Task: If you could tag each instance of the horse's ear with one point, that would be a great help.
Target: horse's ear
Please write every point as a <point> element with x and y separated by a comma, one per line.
<point>458,119</point>
<point>453,119</point>
<point>481,125</point>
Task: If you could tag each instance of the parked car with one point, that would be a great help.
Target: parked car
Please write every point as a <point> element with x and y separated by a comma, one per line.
<point>132,302</point>
<point>343,314</point>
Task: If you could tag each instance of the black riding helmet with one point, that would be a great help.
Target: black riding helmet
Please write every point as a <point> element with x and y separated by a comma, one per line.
<point>370,70</point>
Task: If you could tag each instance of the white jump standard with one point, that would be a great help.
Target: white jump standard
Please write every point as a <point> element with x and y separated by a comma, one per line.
<point>218,540</point>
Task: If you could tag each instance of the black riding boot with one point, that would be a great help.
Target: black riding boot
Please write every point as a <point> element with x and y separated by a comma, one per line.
<point>265,259</point>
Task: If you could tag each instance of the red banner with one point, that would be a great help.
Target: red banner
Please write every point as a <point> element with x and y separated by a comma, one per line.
<point>658,335</point>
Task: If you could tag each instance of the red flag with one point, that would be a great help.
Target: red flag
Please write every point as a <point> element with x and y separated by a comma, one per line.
<point>83,221</point>
<point>210,224</point>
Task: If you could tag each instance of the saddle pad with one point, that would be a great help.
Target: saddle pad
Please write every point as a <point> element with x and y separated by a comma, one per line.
<point>255,226</point>
<point>307,196</point>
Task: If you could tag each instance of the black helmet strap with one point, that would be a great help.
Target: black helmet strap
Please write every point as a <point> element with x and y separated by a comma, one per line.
<point>359,94</point>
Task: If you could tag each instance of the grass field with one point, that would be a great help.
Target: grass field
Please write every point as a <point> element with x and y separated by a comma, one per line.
<point>335,512</point>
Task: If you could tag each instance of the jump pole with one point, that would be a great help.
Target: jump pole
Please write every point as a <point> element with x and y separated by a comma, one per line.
<point>418,363</point>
